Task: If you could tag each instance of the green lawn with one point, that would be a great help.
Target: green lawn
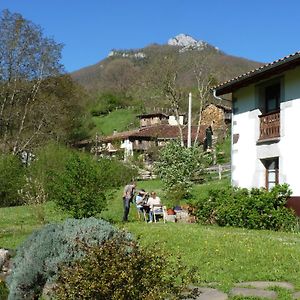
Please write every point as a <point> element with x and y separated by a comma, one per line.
<point>221,256</point>
<point>227,255</point>
<point>16,223</point>
<point>120,120</point>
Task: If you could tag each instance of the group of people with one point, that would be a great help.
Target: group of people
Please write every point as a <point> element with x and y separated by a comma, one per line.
<point>143,201</point>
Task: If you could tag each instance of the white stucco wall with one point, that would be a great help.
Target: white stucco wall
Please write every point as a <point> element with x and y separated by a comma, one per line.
<point>128,148</point>
<point>244,123</point>
<point>173,121</point>
<point>247,169</point>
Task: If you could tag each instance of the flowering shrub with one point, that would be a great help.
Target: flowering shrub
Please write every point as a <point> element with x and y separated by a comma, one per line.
<point>177,166</point>
<point>117,270</point>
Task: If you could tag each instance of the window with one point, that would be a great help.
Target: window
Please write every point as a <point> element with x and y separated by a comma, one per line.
<point>272,98</point>
<point>272,172</point>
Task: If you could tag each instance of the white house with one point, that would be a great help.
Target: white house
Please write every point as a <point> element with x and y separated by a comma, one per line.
<point>266,126</point>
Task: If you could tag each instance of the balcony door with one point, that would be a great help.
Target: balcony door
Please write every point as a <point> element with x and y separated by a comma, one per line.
<point>272,98</point>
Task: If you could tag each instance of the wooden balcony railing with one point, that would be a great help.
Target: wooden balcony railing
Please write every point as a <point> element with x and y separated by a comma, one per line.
<point>269,125</point>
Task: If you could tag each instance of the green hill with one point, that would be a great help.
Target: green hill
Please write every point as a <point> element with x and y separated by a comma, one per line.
<point>119,120</point>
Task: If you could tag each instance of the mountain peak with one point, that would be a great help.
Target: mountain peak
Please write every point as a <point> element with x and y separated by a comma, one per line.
<point>182,40</point>
<point>187,42</point>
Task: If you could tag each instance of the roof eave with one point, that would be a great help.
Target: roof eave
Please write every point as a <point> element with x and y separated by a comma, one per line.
<point>258,75</point>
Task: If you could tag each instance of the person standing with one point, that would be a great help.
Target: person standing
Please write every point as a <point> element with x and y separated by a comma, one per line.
<point>128,195</point>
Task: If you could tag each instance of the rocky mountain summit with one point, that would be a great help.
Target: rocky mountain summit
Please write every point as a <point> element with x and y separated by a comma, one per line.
<point>187,42</point>
<point>127,53</point>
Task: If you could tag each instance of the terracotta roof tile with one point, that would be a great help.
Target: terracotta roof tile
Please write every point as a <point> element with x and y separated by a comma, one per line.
<point>163,131</point>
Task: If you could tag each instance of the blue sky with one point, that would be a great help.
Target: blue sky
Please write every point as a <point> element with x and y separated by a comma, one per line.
<point>262,30</point>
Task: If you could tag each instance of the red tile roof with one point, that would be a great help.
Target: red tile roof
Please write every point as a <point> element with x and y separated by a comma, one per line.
<point>263,72</point>
<point>163,131</point>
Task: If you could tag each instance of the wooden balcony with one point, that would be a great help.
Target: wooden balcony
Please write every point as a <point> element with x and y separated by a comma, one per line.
<point>269,126</point>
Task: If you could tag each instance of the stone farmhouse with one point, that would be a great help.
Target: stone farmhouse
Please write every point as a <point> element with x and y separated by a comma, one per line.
<point>155,130</point>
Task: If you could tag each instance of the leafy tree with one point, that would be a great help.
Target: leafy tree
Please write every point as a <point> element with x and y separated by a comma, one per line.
<point>78,189</point>
<point>177,166</point>
<point>12,179</point>
<point>34,95</point>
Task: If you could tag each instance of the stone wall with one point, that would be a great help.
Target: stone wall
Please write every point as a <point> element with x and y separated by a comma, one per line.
<point>215,117</point>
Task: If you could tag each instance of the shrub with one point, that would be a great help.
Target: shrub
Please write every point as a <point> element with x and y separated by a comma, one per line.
<point>37,259</point>
<point>79,188</point>
<point>119,270</point>
<point>12,180</point>
<point>254,209</point>
<point>3,290</point>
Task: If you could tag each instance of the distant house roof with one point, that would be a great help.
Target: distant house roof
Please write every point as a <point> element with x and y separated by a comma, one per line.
<point>153,115</point>
<point>263,72</point>
<point>119,136</point>
<point>82,143</point>
<point>158,132</point>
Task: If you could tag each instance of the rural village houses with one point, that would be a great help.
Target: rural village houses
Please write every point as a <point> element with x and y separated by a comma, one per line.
<point>265,122</point>
<point>157,128</point>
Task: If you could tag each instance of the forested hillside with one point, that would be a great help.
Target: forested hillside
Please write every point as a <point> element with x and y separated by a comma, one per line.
<point>141,74</point>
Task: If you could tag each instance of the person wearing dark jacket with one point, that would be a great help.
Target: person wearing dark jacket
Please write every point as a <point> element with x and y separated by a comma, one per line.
<point>128,195</point>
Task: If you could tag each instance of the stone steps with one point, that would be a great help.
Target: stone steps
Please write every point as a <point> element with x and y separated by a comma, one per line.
<point>257,289</point>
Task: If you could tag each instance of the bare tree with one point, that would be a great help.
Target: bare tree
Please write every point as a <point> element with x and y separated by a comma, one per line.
<point>204,82</point>
<point>203,89</point>
<point>174,95</point>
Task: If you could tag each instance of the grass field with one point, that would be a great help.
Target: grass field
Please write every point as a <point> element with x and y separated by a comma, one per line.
<point>221,256</point>
<point>120,120</point>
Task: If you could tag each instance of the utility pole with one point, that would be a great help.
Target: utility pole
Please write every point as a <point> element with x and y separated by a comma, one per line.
<point>189,138</point>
